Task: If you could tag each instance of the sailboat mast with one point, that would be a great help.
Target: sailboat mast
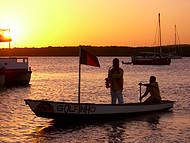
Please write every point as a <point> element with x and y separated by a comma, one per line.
<point>175,41</point>
<point>175,34</point>
<point>160,38</point>
<point>79,76</point>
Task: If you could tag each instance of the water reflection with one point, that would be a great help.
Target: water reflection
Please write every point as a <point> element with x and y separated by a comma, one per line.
<point>58,82</point>
<point>13,113</point>
<point>116,130</point>
<point>153,121</point>
<point>54,130</point>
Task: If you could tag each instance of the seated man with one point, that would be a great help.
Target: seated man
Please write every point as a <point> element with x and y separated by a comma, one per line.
<point>153,88</point>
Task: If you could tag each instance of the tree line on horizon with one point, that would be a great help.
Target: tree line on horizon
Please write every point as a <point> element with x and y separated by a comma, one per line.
<point>183,50</point>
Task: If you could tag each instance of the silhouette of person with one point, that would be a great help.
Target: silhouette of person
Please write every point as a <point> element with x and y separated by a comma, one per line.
<point>115,82</point>
<point>152,88</point>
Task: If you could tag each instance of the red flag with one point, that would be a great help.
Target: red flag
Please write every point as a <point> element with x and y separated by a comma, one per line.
<point>88,59</point>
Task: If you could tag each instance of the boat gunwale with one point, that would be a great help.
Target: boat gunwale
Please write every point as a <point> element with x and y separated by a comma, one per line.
<point>101,104</point>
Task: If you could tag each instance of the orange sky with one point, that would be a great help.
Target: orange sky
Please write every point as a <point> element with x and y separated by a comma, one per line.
<point>38,23</point>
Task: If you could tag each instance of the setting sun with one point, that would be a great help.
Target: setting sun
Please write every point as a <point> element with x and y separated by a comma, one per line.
<point>7,34</point>
<point>14,30</point>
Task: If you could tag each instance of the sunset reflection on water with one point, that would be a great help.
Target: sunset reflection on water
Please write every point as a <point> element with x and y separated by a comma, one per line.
<point>56,79</point>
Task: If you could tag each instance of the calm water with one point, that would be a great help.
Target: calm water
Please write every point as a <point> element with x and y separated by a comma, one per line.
<point>56,78</point>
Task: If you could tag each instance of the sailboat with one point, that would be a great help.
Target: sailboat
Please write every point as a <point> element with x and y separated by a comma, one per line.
<point>176,54</point>
<point>69,111</point>
<point>153,58</point>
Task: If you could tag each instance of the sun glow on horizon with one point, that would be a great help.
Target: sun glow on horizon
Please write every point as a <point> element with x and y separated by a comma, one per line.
<point>14,31</point>
<point>35,23</point>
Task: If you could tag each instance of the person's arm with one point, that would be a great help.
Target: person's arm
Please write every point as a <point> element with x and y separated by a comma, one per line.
<point>108,79</point>
<point>121,79</point>
<point>109,75</point>
<point>121,84</point>
<point>147,84</point>
<point>146,92</point>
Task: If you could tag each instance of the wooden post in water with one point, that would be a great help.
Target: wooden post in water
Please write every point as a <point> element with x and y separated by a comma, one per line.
<point>140,92</point>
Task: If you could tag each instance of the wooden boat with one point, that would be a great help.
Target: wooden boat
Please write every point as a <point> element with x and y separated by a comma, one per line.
<point>76,111</point>
<point>82,111</point>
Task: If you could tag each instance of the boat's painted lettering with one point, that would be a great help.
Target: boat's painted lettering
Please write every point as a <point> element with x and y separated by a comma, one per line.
<point>92,109</point>
<point>69,108</point>
<point>59,108</point>
<point>66,108</point>
<point>73,108</point>
<point>83,109</point>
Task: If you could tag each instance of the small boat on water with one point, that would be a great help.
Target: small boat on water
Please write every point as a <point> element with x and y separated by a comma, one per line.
<point>153,58</point>
<point>69,111</point>
<point>146,58</point>
<point>76,111</point>
<point>14,71</point>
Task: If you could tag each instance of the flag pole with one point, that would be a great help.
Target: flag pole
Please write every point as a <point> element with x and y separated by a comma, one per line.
<point>79,75</point>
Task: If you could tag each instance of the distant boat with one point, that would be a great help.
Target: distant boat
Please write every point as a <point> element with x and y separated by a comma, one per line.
<point>13,71</point>
<point>152,58</point>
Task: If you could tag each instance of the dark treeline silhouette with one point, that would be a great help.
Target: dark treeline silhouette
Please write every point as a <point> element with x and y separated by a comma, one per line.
<point>97,50</point>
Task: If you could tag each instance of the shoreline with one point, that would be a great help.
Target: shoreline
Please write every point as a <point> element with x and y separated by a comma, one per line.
<point>184,50</point>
